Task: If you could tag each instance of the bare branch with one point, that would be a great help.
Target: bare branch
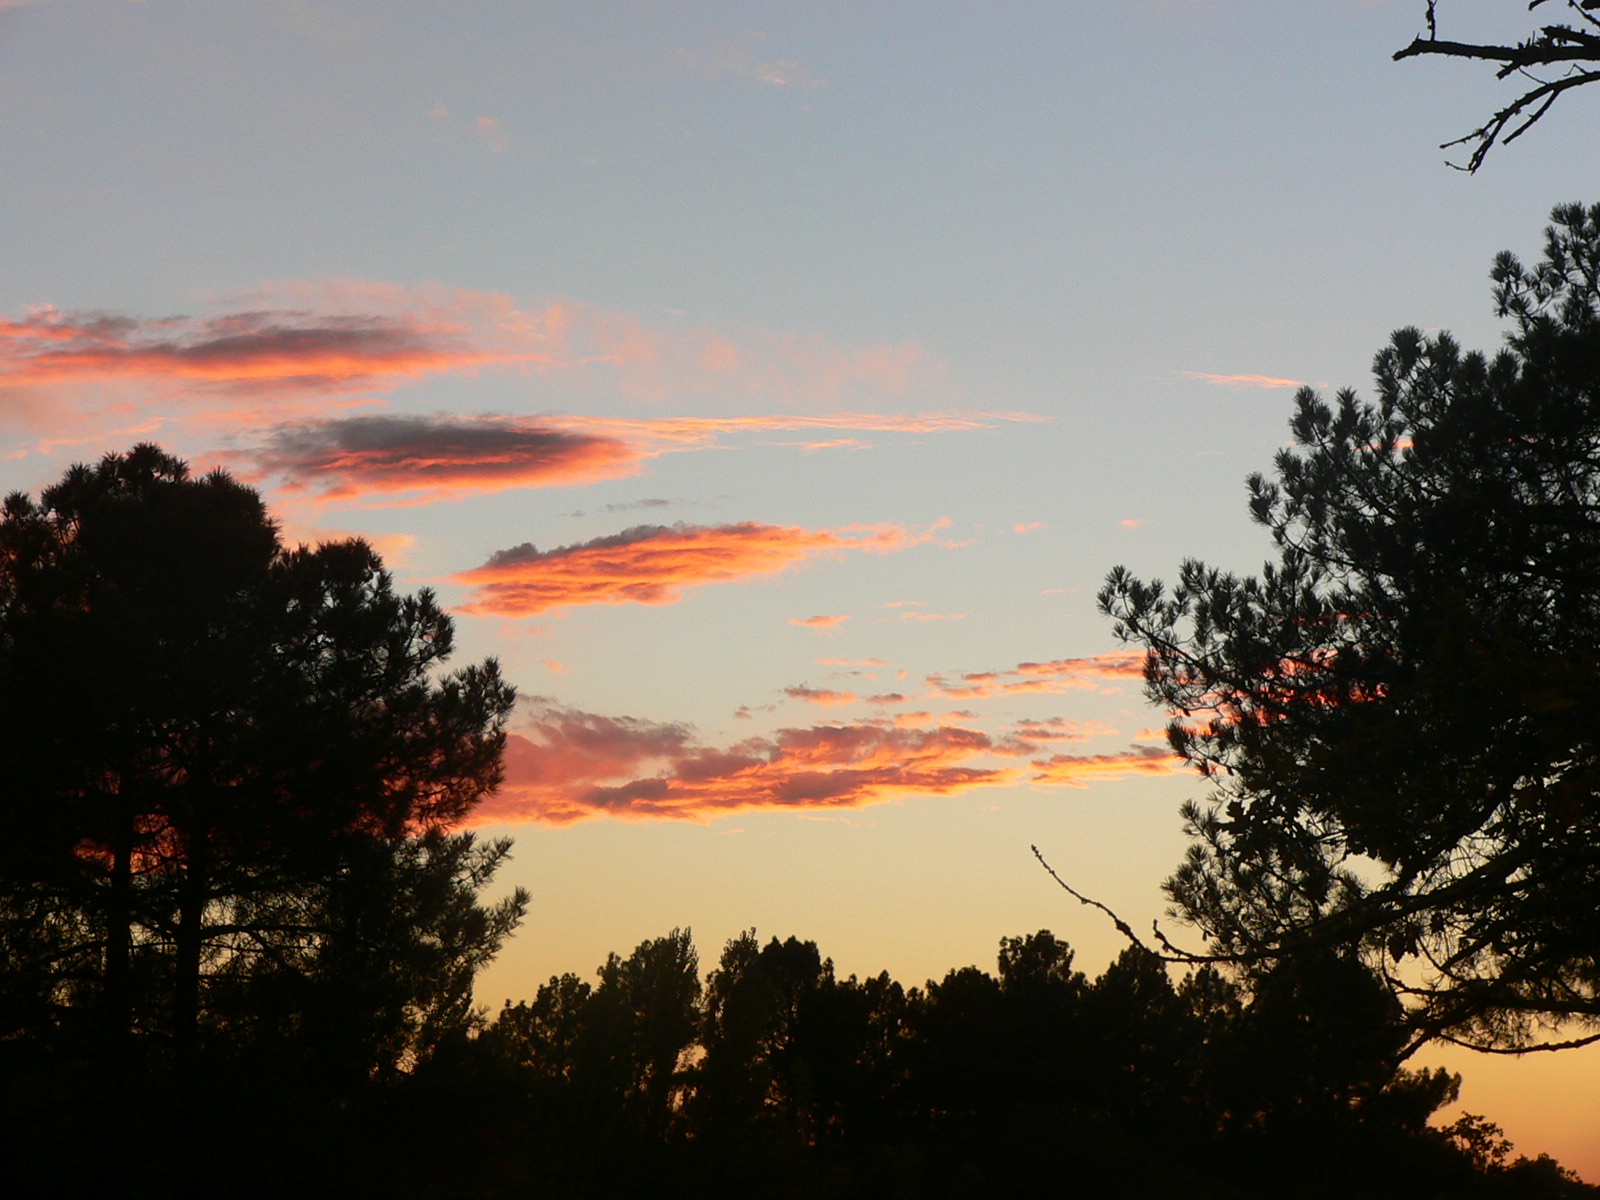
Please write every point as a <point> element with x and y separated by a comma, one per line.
<point>1549,46</point>
<point>1122,926</point>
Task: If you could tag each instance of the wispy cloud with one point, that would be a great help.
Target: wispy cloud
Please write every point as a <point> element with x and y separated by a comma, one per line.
<point>491,135</point>
<point>301,338</point>
<point>1059,729</point>
<point>823,621</point>
<point>744,59</point>
<point>1057,675</point>
<point>653,564</point>
<point>1243,381</point>
<point>1080,770</point>
<point>697,432</point>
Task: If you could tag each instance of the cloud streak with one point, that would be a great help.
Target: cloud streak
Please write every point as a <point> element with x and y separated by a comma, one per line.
<point>396,458</point>
<point>654,564</point>
<point>1081,770</point>
<point>247,351</point>
<point>1243,381</point>
<point>821,696</point>
<point>420,459</point>
<point>319,338</point>
<point>1057,675</point>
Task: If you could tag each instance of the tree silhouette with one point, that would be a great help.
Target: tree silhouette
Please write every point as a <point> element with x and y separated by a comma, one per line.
<point>1570,50</point>
<point>798,1084</point>
<point>1392,715</point>
<point>229,771</point>
<point>637,1026</point>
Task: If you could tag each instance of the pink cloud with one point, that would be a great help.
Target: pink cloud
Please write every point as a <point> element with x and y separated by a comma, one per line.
<point>1243,381</point>
<point>564,766</point>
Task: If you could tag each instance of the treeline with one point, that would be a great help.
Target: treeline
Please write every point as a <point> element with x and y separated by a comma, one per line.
<point>777,1078</point>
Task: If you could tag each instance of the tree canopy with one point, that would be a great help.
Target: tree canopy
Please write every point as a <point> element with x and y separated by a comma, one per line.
<point>1395,715</point>
<point>789,1080</point>
<point>230,769</point>
<point>1569,51</point>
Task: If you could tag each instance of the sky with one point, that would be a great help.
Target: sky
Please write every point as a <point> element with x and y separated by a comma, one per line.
<point>770,388</point>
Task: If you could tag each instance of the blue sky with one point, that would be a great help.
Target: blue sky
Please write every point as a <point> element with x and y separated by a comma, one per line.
<point>917,318</point>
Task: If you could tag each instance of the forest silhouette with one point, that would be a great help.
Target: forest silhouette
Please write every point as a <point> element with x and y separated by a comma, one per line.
<point>239,941</point>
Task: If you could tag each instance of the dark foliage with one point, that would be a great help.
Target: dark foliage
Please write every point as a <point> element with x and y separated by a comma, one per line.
<point>1393,715</point>
<point>229,771</point>
<point>800,1084</point>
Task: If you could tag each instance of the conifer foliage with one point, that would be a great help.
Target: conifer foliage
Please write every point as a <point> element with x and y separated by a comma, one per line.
<point>1395,715</point>
<point>230,767</point>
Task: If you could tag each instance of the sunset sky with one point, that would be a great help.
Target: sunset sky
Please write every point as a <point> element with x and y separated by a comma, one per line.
<point>770,388</point>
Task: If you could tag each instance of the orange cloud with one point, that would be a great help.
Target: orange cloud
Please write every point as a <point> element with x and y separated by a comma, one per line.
<point>1027,527</point>
<point>417,459</point>
<point>1243,381</point>
<point>1080,770</point>
<point>1115,665</point>
<point>819,622</point>
<point>1058,729</point>
<point>820,696</point>
<point>653,564</point>
<point>1058,675</point>
<point>564,766</point>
